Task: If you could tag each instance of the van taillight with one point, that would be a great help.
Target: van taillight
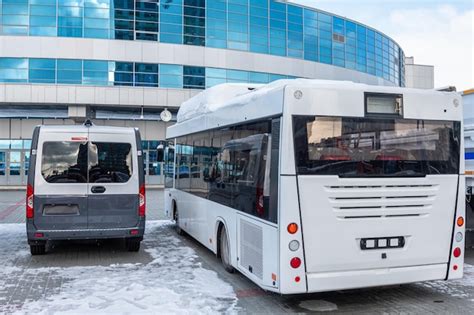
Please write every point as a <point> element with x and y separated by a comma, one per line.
<point>141,200</point>
<point>29,202</point>
<point>259,207</point>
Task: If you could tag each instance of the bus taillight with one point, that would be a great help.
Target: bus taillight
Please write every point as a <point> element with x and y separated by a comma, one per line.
<point>460,221</point>
<point>457,252</point>
<point>295,262</point>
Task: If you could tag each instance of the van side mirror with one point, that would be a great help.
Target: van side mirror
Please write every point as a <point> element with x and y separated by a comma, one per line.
<point>160,153</point>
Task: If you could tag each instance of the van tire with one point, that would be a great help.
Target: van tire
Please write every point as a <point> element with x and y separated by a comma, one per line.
<point>224,251</point>
<point>178,229</point>
<point>38,249</point>
<point>133,245</point>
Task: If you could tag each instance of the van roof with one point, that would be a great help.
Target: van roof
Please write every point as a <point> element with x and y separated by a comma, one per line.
<point>82,128</point>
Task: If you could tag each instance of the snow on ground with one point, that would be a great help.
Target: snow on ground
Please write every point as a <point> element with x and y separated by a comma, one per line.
<point>174,282</point>
<point>456,288</point>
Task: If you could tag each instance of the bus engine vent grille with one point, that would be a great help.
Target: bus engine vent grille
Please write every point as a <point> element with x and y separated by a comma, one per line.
<point>377,201</point>
<point>251,248</point>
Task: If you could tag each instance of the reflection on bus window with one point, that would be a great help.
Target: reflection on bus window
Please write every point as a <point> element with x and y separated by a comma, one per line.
<point>228,166</point>
<point>375,147</point>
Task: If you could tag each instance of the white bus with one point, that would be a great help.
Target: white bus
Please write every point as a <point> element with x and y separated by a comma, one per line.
<point>310,186</point>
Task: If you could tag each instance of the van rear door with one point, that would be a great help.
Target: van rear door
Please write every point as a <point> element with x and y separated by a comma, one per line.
<point>60,182</point>
<point>113,187</point>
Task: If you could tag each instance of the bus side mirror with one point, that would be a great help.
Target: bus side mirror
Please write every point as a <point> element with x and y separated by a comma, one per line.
<point>160,153</point>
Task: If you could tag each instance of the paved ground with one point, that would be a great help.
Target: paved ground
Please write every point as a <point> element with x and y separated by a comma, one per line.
<point>170,268</point>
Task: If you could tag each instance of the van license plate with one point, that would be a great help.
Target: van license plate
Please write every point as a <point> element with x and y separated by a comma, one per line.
<point>382,242</point>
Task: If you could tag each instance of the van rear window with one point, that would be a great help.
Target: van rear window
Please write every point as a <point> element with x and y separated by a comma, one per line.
<point>64,162</point>
<point>74,162</point>
<point>110,162</point>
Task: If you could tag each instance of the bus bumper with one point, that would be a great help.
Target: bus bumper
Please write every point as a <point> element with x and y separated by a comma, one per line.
<point>332,281</point>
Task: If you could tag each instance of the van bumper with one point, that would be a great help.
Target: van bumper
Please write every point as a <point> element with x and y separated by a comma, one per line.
<point>332,281</point>
<point>36,236</point>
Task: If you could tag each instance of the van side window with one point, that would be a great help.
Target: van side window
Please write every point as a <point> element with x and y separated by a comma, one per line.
<point>110,162</point>
<point>64,162</point>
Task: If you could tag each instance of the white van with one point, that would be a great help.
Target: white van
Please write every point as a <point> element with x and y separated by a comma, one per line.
<point>85,182</point>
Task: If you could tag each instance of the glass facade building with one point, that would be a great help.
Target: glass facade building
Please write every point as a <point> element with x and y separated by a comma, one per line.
<point>259,26</point>
<point>125,61</point>
<point>117,73</point>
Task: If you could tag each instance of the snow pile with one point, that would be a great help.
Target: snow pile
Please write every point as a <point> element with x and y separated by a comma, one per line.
<point>174,282</point>
<point>205,101</point>
<point>229,94</point>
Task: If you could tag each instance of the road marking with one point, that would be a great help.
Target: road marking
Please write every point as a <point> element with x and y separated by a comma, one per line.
<point>9,210</point>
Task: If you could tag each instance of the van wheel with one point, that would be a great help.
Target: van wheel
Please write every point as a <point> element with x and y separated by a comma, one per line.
<point>132,245</point>
<point>176,220</point>
<point>225,251</point>
<point>38,249</point>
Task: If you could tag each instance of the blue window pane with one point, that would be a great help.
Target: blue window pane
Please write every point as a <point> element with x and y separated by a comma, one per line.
<point>70,32</point>
<point>171,81</point>
<point>14,63</point>
<point>15,19</point>
<point>97,13</point>
<point>42,63</point>
<point>69,64</point>
<point>13,75</point>
<point>171,69</point>
<point>256,77</point>
<point>216,73</point>
<point>43,2</point>
<point>238,75</point>
<point>96,23</point>
<point>69,77</point>
<point>42,76</point>
<point>146,67</point>
<point>42,31</point>
<point>145,79</point>
<point>217,43</point>
<point>96,33</point>
<point>124,66</point>
<point>43,21</point>
<point>170,38</point>
<point>69,22</point>
<point>15,9</point>
<point>43,10</point>
<point>96,65</point>
<point>15,30</point>
<point>70,11</point>
<point>210,82</point>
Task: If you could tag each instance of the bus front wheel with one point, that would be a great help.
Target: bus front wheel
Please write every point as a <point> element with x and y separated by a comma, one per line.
<point>225,251</point>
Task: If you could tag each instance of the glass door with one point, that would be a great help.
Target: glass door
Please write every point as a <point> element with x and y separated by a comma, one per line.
<point>3,168</point>
<point>15,171</point>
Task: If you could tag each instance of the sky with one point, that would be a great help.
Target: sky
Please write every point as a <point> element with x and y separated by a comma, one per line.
<point>439,33</point>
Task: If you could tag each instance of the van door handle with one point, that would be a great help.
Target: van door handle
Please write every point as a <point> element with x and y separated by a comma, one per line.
<point>98,189</point>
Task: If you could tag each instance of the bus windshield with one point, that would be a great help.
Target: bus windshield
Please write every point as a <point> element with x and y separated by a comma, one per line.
<point>364,147</point>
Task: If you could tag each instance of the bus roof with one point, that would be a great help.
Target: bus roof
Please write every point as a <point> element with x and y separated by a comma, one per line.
<point>229,104</point>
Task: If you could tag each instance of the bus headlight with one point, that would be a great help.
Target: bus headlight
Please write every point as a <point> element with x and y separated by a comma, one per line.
<point>294,245</point>
<point>458,237</point>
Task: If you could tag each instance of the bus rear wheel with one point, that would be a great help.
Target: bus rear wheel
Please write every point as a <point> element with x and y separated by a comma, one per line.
<point>225,251</point>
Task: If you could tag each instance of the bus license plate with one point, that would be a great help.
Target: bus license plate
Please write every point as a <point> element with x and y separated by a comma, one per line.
<point>382,242</point>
